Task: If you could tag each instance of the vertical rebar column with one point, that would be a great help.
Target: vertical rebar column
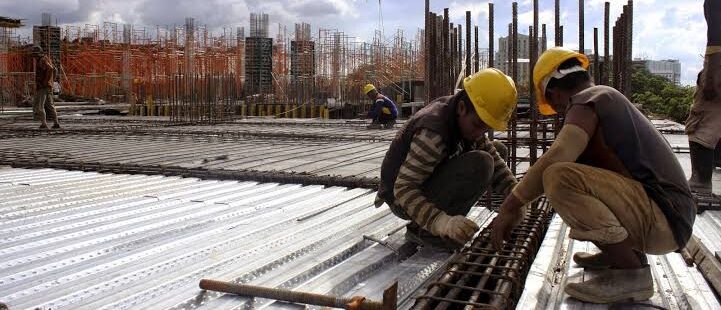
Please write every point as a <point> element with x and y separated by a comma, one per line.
<point>621,29</point>
<point>533,56</point>
<point>441,56</point>
<point>477,56</point>
<point>606,39</point>
<point>629,48</point>
<point>557,25</point>
<point>560,36</point>
<point>432,59</point>
<point>616,58</point>
<point>581,47</point>
<point>459,62</point>
<point>544,38</point>
<point>127,71</point>
<point>189,40</point>
<point>596,65</point>
<point>453,31</point>
<point>489,194</point>
<point>491,46</point>
<point>446,54</point>
<point>468,43</point>
<point>514,74</point>
<point>506,61</point>
<point>427,53</point>
<point>438,56</point>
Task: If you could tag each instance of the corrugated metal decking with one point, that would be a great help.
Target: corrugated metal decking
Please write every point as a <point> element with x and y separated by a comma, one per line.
<point>79,240</point>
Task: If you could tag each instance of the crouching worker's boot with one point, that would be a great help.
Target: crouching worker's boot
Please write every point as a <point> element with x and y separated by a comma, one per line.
<point>591,261</point>
<point>599,260</point>
<point>614,285</point>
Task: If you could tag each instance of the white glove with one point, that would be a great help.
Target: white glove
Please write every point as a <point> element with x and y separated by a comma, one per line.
<point>457,228</point>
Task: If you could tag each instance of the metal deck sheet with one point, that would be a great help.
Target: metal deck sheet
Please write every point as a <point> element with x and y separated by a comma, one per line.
<point>357,159</point>
<point>335,158</point>
<point>83,240</point>
<point>677,285</point>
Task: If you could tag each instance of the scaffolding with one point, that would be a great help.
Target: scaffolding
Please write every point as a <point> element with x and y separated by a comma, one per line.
<point>16,79</point>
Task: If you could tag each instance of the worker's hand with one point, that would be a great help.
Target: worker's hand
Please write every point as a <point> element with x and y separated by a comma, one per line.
<point>509,216</point>
<point>457,228</point>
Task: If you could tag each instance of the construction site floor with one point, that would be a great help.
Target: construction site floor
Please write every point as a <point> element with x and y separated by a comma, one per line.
<point>242,201</point>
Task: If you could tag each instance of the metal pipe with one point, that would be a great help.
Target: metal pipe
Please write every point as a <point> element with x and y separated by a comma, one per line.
<point>291,296</point>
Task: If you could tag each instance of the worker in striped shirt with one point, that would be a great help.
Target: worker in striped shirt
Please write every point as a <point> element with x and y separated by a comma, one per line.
<point>441,161</point>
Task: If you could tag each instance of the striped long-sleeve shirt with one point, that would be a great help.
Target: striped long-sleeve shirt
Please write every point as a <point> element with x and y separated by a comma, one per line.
<point>427,151</point>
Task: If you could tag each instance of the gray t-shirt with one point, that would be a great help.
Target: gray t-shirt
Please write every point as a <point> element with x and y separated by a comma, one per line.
<point>645,154</point>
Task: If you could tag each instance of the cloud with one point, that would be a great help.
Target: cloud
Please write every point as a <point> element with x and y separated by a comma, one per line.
<point>663,29</point>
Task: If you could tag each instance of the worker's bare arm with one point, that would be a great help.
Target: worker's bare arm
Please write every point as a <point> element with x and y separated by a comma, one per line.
<point>580,125</point>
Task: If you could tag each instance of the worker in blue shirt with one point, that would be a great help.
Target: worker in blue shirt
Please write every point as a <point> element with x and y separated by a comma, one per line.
<point>383,112</point>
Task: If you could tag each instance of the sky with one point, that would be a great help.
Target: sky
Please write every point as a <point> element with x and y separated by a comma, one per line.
<point>663,29</point>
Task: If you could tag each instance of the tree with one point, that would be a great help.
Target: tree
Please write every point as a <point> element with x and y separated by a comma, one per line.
<point>661,97</point>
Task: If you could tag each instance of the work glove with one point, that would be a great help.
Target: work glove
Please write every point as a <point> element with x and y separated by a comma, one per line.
<point>457,228</point>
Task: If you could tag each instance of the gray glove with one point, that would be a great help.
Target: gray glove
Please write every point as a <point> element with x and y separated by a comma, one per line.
<point>457,228</point>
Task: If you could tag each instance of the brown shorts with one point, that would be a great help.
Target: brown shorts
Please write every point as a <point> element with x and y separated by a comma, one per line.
<point>605,207</point>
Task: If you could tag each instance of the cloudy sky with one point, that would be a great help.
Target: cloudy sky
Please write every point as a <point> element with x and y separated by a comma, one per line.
<point>663,29</point>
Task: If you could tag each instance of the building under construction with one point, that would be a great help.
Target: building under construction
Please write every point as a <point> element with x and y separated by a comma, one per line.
<point>213,175</point>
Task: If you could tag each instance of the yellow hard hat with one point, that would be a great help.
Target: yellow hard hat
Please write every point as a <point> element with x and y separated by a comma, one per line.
<point>368,88</point>
<point>493,95</point>
<point>545,67</point>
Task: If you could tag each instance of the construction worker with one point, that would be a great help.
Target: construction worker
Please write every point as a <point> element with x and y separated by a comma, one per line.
<point>703,125</point>
<point>610,175</point>
<point>44,77</point>
<point>441,161</point>
<point>383,112</point>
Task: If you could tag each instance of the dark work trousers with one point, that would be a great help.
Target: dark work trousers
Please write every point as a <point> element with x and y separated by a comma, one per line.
<point>458,183</point>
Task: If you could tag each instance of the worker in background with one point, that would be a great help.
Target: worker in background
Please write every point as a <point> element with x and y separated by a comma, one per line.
<point>703,125</point>
<point>383,112</point>
<point>610,175</point>
<point>44,77</point>
<point>441,161</point>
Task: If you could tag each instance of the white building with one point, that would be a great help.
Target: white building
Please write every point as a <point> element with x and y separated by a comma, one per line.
<point>502,57</point>
<point>669,69</point>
